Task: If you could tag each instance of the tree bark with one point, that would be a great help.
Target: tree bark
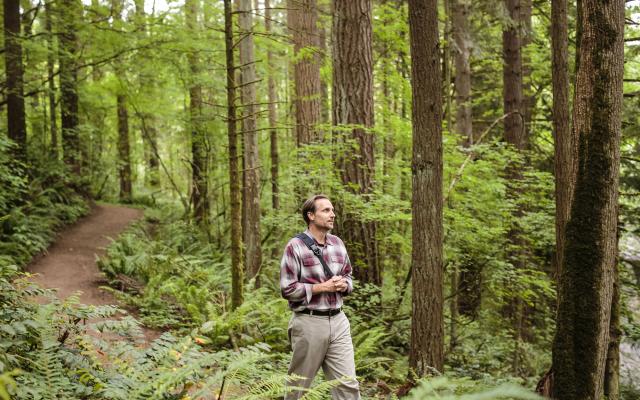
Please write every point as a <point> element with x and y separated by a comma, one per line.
<point>352,104</point>
<point>565,140</point>
<point>53,120</point>
<point>512,78</point>
<point>14,72</point>
<point>462,39</point>
<point>251,200</point>
<point>528,98</point>
<point>612,369</point>
<point>69,11</point>
<point>427,327</point>
<point>273,121</point>
<point>124,151</point>
<point>237,269</point>
<point>199,156</point>
<point>586,285</point>
<point>302,18</point>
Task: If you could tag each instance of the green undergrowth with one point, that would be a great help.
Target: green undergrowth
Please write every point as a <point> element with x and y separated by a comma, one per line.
<point>165,268</point>
<point>36,200</point>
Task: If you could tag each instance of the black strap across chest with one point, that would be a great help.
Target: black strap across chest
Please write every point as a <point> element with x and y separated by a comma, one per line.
<point>311,244</point>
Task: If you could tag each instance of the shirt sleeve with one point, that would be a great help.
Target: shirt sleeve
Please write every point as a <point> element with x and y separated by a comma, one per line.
<point>347,275</point>
<point>290,287</point>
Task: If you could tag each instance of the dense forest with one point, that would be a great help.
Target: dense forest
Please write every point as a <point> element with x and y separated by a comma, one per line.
<point>482,158</point>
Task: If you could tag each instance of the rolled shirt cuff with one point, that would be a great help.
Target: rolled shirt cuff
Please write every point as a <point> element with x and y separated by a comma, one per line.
<point>308,288</point>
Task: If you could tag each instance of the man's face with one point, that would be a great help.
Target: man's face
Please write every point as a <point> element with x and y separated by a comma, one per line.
<point>323,217</point>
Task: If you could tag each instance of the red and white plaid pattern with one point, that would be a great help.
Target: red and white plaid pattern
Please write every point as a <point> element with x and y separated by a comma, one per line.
<point>300,269</point>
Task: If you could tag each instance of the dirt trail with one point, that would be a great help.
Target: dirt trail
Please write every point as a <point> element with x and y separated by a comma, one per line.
<point>70,263</point>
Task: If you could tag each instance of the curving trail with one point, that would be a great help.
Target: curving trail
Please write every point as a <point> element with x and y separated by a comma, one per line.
<point>69,265</point>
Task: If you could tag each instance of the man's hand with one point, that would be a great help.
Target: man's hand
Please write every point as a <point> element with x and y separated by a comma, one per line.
<point>336,284</point>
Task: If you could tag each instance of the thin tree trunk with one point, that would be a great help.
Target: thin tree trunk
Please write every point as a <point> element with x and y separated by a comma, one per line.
<point>69,12</point>
<point>612,369</point>
<point>528,98</point>
<point>199,157</point>
<point>512,78</point>
<point>237,269</point>
<point>462,39</point>
<point>14,72</point>
<point>273,122</point>
<point>48,6</point>
<point>124,151</point>
<point>253,256</point>
<point>586,286</point>
<point>353,105</point>
<point>427,328</point>
<point>565,140</point>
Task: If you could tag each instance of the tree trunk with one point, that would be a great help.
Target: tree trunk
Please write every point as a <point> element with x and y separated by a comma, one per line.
<point>512,78</point>
<point>427,327</point>
<point>353,105</point>
<point>237,269</point>
<point>565,140</point>
<point>462,39</point>
<point>253,256</point>
<point>14,72</point>
<point>273,122</point>
<point>124,152</point>
<point>69,11</point>
<point>528,98</point>
<point>48,6</point>
<point>302,19</point>
<point>587,276</point>
<point>612,369</point>
<point>199,156</point>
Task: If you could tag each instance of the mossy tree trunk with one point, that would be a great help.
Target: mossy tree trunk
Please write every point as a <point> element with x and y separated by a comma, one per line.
<point>70,12</point>
<point>586,286</point>
<point>427,326</point>
<point>237,268</point>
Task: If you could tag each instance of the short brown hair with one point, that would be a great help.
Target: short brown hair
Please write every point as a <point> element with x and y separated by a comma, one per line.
<point>309,206</point>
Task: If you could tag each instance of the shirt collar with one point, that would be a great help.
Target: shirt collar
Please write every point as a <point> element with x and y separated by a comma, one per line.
<point>328,239</point>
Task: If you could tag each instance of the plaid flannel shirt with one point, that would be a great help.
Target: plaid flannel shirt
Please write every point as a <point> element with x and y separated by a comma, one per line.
<point>300,269</point>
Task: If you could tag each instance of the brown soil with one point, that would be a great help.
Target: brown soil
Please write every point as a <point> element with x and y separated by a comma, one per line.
<point>69,265</point>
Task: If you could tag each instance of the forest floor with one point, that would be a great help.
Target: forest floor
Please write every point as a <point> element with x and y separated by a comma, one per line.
<point>69,265</point>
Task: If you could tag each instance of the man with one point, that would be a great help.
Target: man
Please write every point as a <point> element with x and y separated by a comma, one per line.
<point>319,331</point>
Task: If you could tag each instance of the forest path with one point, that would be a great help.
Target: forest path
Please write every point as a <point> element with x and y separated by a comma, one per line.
<point>69,265</point>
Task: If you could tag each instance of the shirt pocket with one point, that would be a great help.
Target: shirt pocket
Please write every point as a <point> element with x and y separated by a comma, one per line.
<point>337,262</point>
<point>310,261</point>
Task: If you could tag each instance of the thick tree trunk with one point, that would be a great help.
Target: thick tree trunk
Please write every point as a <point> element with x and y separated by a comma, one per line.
<point>53,120</point>
<point>14,72</point>
<point>69,11</point>
<point>251,200</point>
<point>565,140</point>
<point>353,105</point>
<point>427,327</point>
<point>124,152</point>
<point>586,285</point>
<point>302,18</point>
<point>237,269</point>
<point>273,121</point>
<point>199,156</point>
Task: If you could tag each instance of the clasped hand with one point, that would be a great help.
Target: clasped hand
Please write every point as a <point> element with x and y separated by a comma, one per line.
<point>337,283</point>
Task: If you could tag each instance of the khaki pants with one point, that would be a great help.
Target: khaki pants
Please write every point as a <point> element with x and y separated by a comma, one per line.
<point>323,342</point>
